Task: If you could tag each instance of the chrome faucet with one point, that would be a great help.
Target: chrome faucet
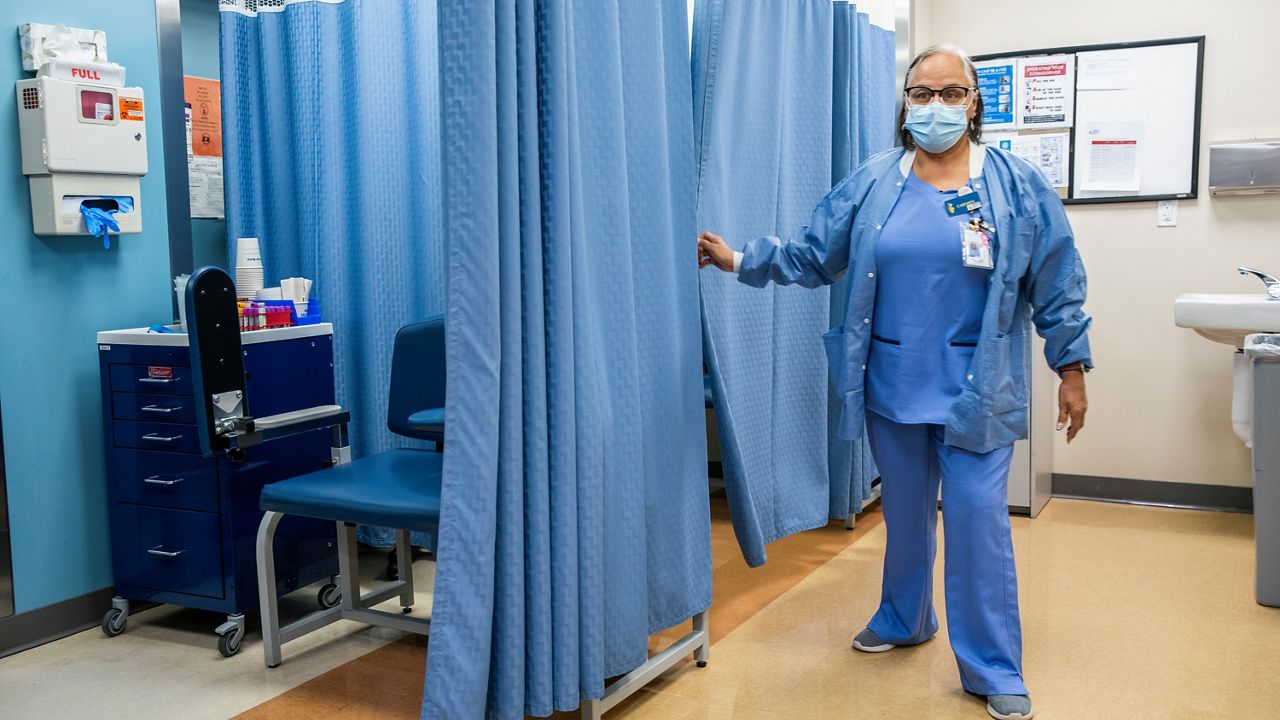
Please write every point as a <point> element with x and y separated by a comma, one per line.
<point>1273,285</point>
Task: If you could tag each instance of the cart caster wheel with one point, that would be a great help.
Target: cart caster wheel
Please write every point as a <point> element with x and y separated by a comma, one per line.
<point>229,644</point>
<point>407,610</point>
<point>114,622</point>
<point>702,663</point>
<point>329,596</point>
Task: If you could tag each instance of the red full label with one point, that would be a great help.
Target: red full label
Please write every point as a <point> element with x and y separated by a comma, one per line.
<point>85,73</point>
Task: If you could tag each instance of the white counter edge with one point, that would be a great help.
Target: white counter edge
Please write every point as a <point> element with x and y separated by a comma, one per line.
<point>140,336</point>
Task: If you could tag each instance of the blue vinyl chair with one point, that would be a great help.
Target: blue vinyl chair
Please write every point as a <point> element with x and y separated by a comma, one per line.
<point>416,407</point>
<point>396,488</point>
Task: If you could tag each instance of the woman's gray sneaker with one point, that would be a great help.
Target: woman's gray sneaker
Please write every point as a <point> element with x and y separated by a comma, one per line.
<point>1010,707</point>
<point>868,641</point>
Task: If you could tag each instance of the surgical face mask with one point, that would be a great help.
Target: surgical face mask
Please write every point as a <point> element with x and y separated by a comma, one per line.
<point>936,127</point>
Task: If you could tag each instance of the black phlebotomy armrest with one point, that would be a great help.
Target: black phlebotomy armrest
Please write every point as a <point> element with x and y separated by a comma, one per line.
<point>273,427</point>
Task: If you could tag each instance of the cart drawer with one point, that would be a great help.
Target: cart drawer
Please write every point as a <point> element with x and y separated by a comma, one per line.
<point>165,379</point>
<point>164,479</point>
<point>157,408</point>
<point>165,549</point>
<point>170,437</point>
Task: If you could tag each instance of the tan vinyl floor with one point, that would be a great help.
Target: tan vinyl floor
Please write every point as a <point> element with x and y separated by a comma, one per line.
<point>166,665</point>
<point>1128,612</point>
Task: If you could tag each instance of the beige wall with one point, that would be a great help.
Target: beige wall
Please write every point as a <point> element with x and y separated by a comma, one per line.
<point>1160,399</point>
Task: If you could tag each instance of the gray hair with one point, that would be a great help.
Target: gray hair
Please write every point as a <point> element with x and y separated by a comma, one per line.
<point>944,49</point>
<point>975,125</point>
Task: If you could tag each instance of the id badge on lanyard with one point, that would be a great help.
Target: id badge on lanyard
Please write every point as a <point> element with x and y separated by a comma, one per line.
<point>975,234</point>
<point>975,239</point>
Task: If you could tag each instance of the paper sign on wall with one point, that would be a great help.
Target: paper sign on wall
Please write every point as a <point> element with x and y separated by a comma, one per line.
<point>1113,156</point>
<point>1046,91</point>
<point>204,146</point>
<point>996,90</point>
<point>1047,151</point>
<point>205,98</point>
<point>1105,73</point>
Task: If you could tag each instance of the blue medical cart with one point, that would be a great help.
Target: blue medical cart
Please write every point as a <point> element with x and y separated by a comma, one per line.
<point>182,526</point>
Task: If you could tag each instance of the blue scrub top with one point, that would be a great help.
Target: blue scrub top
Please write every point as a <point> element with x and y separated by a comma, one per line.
<point>1038,279</point>
<point>928,309</point>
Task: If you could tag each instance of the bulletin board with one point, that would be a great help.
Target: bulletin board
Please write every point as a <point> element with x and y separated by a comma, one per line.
<point>1105,123</point>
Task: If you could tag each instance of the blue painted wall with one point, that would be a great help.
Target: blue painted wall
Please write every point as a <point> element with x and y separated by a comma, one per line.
<point>56,292</point>
<point>200,58</point>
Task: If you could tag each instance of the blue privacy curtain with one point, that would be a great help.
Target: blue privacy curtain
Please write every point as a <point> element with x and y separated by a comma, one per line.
<point>332,159</point>
<point>788,96</point>
<point>574,519</point>
<point>863,123</point>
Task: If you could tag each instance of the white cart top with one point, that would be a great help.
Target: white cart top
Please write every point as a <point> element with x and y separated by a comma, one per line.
<point>141,336</point>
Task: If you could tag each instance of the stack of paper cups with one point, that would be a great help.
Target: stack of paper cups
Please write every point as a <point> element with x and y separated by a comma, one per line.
<point>249,273</point>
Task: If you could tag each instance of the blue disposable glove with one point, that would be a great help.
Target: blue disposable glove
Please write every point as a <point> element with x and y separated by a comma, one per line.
<point>99,222</point>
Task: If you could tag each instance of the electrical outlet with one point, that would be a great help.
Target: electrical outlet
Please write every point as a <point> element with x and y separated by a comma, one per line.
<point>1166,213</point>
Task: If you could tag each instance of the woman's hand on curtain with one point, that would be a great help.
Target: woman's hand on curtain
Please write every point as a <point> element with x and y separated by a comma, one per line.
<point>712,250</point>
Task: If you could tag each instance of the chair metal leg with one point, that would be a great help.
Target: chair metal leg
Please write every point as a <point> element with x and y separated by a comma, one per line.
<point>592,710</point>
<point>348,567</point>
<point>703,652</point>
<point>404,563</point>
<point>267,600</point>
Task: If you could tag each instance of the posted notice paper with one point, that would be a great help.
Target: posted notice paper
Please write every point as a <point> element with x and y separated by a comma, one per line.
<point>1104,71</point>
<point>1046,91</point>
<point>1047,151</point>
<point>1113,156</point>
<point>996,89</point>
<point>204,146</point>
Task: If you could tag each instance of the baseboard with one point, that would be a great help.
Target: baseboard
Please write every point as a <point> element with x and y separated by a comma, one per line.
<point>52,622</point>
<point>1196,496</point>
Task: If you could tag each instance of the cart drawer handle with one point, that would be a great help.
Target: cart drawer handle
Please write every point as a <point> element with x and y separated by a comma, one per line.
<point>159,480</point>
<point>165,553</point>
<point>153,437</point>
<point>160,381</point>
<point>158,409</point>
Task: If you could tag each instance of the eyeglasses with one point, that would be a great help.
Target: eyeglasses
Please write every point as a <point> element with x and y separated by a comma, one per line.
<point>953,95</point>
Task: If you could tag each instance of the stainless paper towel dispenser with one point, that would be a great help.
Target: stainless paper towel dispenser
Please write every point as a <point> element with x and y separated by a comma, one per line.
<point>1245,167</point>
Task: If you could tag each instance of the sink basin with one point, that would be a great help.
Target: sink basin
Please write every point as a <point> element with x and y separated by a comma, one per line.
<point>1227,318</point>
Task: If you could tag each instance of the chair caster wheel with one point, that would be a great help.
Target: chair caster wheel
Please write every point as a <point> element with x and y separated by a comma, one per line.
<point>701,663</point>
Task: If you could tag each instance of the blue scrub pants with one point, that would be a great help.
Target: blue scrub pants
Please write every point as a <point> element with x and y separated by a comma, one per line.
<point>981,581</point>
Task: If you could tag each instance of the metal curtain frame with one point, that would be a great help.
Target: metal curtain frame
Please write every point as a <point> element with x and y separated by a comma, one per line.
<point>904,45</point>
<point>6,564</point>
<point>697,642</point>
<point>852,521</point>
<point>173,135</point>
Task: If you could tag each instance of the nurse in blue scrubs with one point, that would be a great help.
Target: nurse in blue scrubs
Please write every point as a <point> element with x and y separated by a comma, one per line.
<point>955,252</point>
